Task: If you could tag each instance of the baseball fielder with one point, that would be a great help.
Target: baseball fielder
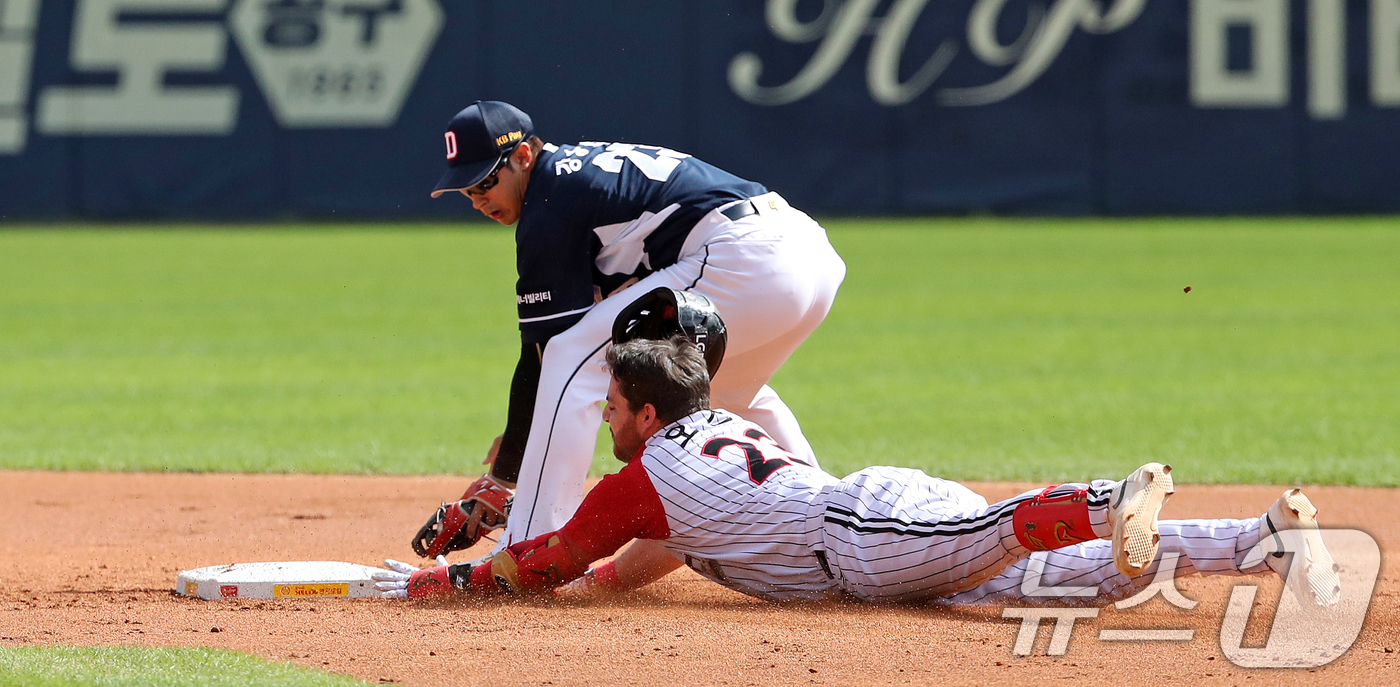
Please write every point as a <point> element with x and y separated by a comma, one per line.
<point>726,500</point>
<point>598,219</point>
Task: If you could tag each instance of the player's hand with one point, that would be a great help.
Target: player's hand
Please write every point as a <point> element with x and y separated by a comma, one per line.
<point>393,583</point>
<point>458,525</point>
<point>481,516</point>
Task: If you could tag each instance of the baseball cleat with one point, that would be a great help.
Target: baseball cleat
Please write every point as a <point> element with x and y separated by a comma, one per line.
<point>1315,577</point>
<point>1132,510</point>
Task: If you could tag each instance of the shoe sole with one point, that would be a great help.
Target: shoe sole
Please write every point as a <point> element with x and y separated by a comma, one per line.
<point>1320,570</point>
<point>1302,508</point>
<point>1135,536</point>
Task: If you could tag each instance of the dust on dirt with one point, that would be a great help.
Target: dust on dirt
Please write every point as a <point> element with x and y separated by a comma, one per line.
<point>91,559</point>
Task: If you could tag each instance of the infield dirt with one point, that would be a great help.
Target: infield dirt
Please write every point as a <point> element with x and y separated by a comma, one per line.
<point>91,559</point>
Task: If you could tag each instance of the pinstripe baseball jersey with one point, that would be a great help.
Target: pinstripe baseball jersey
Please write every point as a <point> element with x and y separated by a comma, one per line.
<point>741,511</point>
<point>737,506</point>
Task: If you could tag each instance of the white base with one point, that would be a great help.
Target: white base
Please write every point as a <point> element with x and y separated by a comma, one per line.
<point>285,580</point>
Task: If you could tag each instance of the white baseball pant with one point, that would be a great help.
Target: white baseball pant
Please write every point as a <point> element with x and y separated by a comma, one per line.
<point>772,276</point>
<point>899,535</point>
<point>1206,547</point>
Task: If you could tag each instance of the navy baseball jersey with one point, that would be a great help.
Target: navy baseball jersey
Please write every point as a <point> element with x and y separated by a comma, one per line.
<point>598,214</point>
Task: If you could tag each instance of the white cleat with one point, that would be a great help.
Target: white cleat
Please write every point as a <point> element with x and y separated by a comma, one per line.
<point>1132,510</point>
<point>1315,577</point>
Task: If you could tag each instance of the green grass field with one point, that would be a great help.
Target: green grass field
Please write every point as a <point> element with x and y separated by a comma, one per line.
<point>973,349</point>
<point>122,666</point>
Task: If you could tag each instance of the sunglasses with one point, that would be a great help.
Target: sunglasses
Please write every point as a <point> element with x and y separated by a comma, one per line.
<point>492,178</point>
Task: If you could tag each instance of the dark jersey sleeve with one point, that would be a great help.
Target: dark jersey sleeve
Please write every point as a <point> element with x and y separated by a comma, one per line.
<point>519,413</point>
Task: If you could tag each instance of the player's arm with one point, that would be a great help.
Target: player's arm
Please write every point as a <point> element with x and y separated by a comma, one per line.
<point>620,508</point>
<point>644,562</point>
<point>505,466</point>
<point>640,564</point>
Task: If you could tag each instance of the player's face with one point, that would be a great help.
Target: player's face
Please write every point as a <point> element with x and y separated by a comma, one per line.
<point>625,425</point>
<point>500,195</point>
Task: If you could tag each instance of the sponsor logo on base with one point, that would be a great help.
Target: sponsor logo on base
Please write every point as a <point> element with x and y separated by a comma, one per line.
<point>310,590</point>
<point>191,589</point>
<point>228,591</point>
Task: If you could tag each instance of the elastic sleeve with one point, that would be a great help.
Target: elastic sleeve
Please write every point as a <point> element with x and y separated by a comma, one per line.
<point>519,412</point>
<point>620,508</point>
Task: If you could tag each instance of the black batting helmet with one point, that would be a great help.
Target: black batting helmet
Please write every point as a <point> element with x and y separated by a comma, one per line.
<point>664,312</point>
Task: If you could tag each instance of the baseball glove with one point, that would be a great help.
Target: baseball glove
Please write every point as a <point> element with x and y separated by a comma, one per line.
<point>460,524</point>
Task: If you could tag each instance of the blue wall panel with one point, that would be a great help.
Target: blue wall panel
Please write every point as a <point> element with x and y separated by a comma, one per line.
<point>1015,106</point>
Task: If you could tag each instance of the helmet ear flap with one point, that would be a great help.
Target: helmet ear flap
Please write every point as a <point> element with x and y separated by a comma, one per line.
<point>664,312</point>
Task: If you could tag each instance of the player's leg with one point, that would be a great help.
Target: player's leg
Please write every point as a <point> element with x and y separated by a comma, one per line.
<point>1207,547</point>
<point>899,535</point>
<point>773,283</point>
<point>757,278</point>
<point>568,412</point>
<point>1311,572</point>
<point>743,389</point>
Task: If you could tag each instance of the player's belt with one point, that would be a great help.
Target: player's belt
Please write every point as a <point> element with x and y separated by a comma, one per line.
<point>739,210</point>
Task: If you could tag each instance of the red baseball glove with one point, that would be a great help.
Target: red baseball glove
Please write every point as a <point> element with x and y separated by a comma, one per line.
<point>461,524</point>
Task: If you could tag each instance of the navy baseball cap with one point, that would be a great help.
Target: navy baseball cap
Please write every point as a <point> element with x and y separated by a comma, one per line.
<point>479,139</point>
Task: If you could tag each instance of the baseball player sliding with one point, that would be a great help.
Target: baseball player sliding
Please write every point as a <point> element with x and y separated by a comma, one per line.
<point>728,501</point>
<point>596,225</point>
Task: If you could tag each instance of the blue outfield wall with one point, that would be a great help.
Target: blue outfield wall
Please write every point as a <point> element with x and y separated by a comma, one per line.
<point>335,108</point>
